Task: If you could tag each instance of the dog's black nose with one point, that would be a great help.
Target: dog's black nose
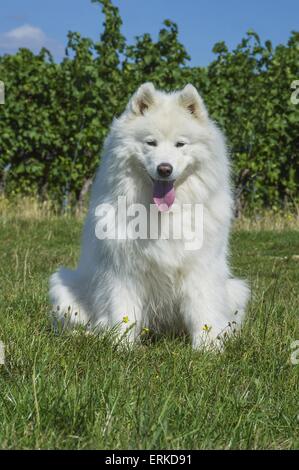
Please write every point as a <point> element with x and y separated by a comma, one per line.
<point>164,170</point>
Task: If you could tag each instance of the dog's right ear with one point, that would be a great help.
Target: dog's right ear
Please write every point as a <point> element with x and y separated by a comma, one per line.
<point>143,99</point>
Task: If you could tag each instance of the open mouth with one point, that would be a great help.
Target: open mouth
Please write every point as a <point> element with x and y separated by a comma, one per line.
<point>163,194</point>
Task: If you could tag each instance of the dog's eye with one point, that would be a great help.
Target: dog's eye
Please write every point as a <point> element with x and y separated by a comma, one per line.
<point>180,144</point>
<point>152,143</point>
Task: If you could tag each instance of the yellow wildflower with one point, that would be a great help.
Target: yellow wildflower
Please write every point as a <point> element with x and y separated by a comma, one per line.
<point>207,328</point>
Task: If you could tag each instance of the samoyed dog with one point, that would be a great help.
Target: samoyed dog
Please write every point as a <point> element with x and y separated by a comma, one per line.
<point>163,154</point>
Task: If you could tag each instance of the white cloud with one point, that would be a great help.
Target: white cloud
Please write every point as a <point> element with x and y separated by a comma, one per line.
<point>27,36</point>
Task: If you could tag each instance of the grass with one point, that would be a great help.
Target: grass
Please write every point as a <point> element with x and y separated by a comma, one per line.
<point>71,391</point>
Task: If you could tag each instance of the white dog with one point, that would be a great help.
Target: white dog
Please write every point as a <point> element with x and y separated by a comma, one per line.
<point>164,152</point>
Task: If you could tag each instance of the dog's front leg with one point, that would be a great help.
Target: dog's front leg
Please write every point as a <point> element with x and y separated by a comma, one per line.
<point>125,311</point>
<point>204,307</point>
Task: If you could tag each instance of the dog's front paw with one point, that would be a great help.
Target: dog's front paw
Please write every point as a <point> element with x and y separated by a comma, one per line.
<point>202,343</point>
<point>207,340</point>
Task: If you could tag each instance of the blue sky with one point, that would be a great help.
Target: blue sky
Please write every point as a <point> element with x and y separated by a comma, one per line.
<point>36,23</point>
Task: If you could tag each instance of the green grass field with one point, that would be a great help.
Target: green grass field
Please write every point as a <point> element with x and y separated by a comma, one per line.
<point>69,391</point>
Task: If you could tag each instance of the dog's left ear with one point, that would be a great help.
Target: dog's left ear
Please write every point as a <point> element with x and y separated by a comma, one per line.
<point>190,99</point>
<point>143,99</point>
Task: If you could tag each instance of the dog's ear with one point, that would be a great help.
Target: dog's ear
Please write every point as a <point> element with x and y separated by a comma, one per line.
<point>143,99</point>
<point>190,99</point>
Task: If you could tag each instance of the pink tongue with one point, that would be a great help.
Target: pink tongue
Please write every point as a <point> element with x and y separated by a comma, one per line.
<point>163,195</point>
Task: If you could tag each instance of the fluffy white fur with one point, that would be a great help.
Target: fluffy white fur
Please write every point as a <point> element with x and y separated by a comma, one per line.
<point>158,284</point>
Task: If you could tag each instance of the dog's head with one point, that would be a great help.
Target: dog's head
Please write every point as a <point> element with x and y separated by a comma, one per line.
<point>168,135</point>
